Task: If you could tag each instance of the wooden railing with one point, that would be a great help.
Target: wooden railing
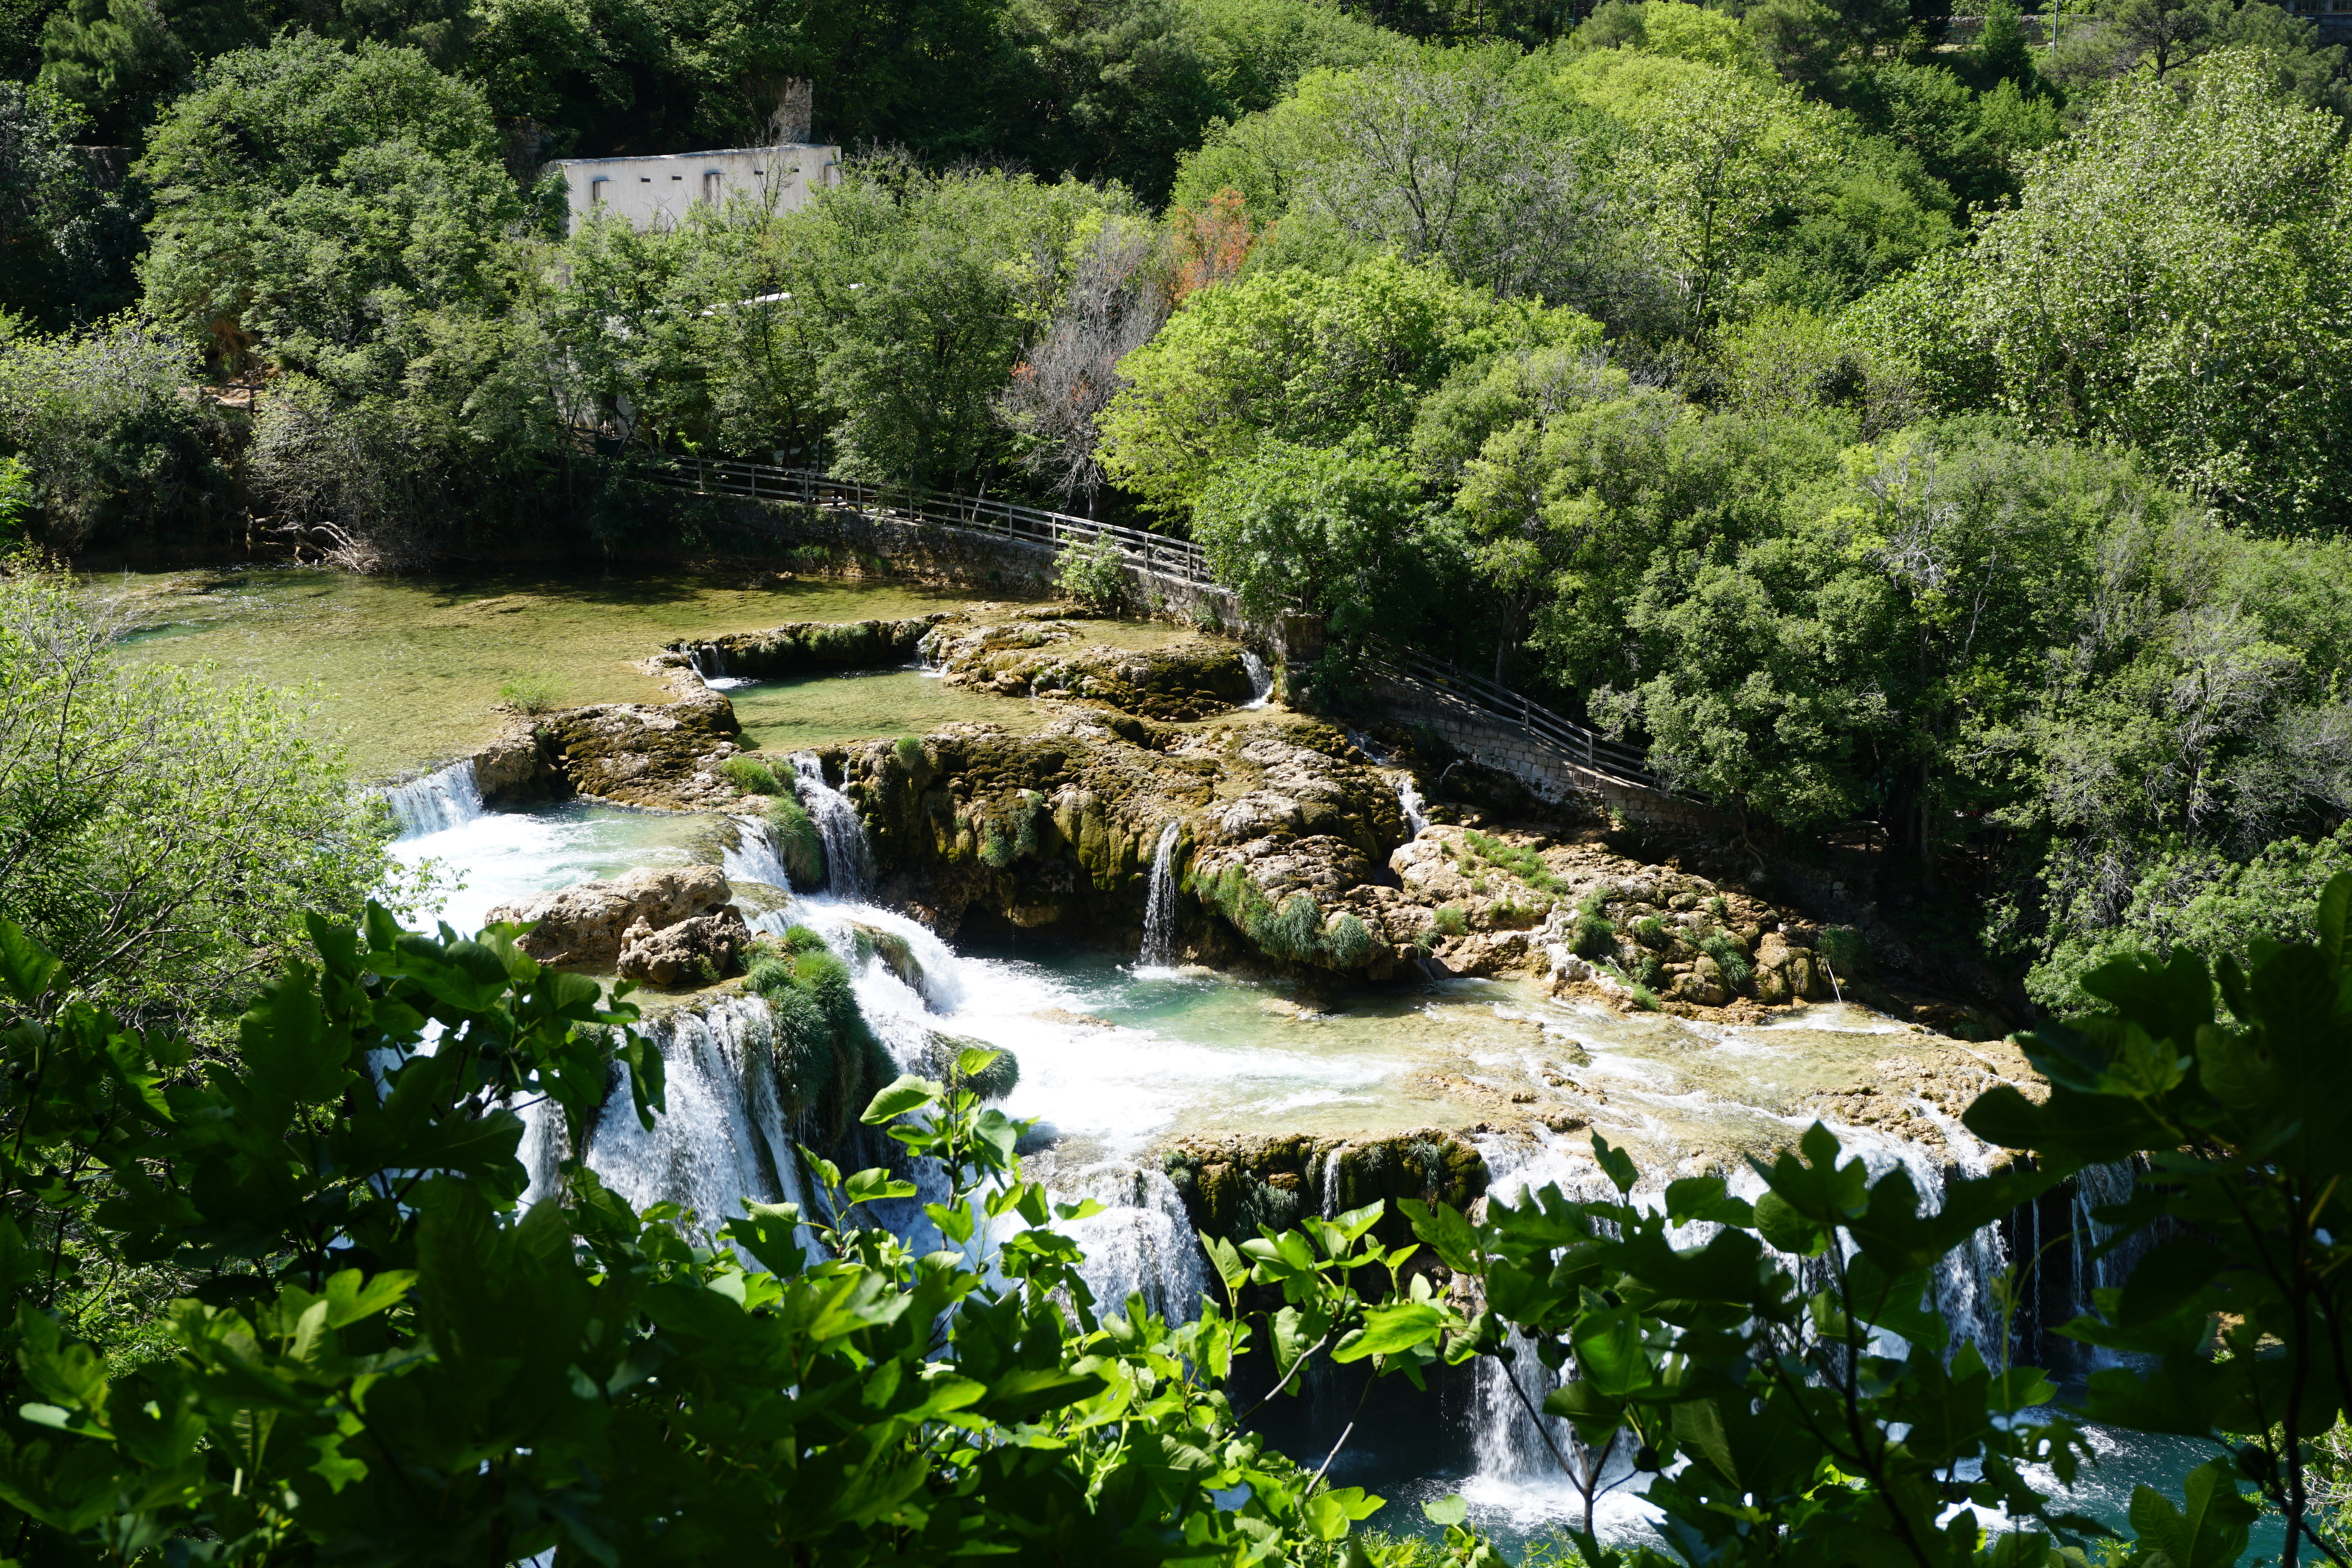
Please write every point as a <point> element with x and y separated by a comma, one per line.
<point>1578,742</point>
<point>1178,560</point>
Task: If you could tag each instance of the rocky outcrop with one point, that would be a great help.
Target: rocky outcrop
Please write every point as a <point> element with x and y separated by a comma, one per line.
<point>662,754</point>
<point>1035,656</point>
<point>1281,827</point>
<point>811,645</point>
<point>698,951</point>
<point>1055,828</point>
<point>515,769</point>
<point>1233,1185</point>
<point>586,926</point>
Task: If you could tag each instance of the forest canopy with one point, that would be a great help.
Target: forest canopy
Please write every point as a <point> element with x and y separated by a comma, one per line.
<point>1921,425</point>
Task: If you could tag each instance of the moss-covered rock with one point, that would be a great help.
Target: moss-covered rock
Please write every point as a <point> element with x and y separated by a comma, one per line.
<point>1049,830</point>
<point>798,843</point>
<point>1188,679</point>
<point>661,755</point>
<point>810,646</point>
<point>1279,832</point>
<point>1233,1185</point>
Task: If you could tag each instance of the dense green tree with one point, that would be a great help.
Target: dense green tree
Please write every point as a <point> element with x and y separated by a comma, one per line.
<point>2168,280</point>
<point>312,200</point>
<point>1330,532</point>
<point>1305,359</point>
<point>117,450</point>
<point>68,231</point>
<point>1714,156</point>
<point>1120,90</point>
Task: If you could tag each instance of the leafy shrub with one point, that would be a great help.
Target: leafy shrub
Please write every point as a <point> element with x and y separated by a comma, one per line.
<point>532,694</point>
<point>751,775</point>
<point>798,844</point>
<point>1092,574</point>
<point>1737,970</point>
<point>992,1079</point>
<point>1847,950</point>
<point>1449,920</point>
<point>17,497</point>
<point>1592,934</point>
<point>1349,944</point>
<point>111,442</point>
<point>1295,930</point>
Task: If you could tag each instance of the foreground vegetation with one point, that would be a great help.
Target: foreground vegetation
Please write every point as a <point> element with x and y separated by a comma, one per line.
<point>376,1354</point>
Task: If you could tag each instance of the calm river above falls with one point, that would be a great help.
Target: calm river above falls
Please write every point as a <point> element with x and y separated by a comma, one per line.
<point>1116,1058</point>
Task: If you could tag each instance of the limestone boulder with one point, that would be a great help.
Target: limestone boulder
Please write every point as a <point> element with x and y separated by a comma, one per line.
<point>1031,656</point>
<point>695,952</point>
<point>662,754</point>
<point>811,645</point>
<point>1787,973</point>
<point>512,770</point>
<point>586,926</point>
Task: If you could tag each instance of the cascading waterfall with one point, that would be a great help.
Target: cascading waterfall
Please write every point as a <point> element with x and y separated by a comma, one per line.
<point>1410,803</point>
<point>438,802</point>
<point>753,858</point>
<point>849,862</point>
<point>1512,1456</point>
<point>1160,904</point>
<point>2096,1187</point>
<point>1261,680</point>
<point>1140,1244</point>
<point>723,1138</point>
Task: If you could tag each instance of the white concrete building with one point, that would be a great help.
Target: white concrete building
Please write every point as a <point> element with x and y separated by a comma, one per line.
<point>649,190</point>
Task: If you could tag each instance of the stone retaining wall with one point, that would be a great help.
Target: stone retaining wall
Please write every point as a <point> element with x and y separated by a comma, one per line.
<point>1548,771</point>
<point>965,558</point>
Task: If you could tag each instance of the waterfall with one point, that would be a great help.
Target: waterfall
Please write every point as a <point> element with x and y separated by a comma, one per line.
<point>724,1137</point>
<point>435,802</point>
<point>2096,1187</point>
<point>1159,905</point>
<point>849,863</point>
<point>1261,680</point>
<point>1142,1244</point>
<point>1409,802</point>
<point>1331,1183</point>
<point>1513,1458</point>
<point>752,857</point>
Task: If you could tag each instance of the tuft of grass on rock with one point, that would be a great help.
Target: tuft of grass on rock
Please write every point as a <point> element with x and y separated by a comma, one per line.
<point>533,695</point>
<point>751,775</point>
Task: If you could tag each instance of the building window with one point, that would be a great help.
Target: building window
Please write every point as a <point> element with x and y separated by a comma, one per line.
<point>596,191</point>
<point>711,181</point>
